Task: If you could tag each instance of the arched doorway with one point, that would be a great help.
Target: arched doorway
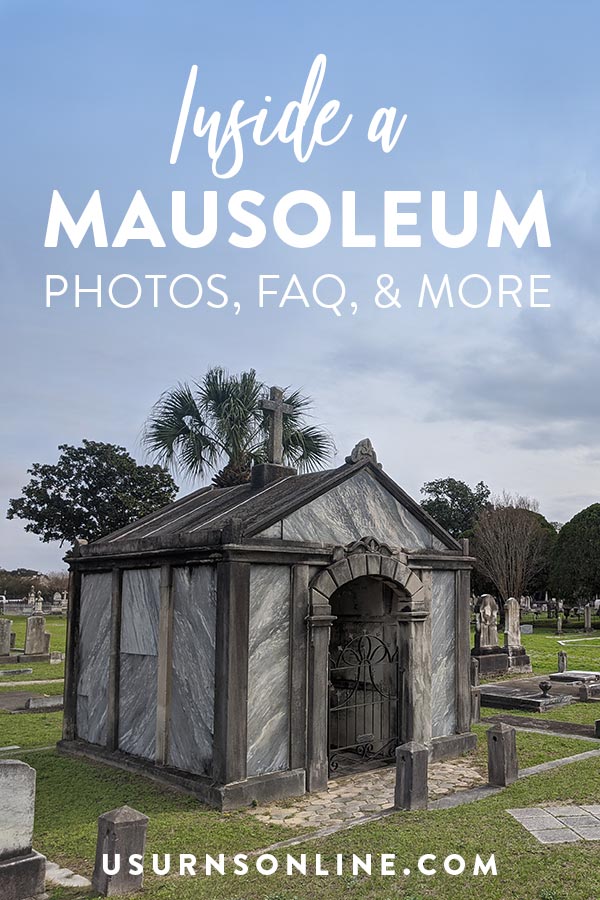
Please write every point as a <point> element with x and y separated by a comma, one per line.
<point>368,615</point>
<point>365,676</point>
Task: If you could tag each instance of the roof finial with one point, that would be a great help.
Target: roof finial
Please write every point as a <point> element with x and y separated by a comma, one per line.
<point>363,450</point>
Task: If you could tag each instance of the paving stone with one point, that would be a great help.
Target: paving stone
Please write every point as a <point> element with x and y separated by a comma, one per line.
<point>526,813</point>
<point>564,810</point>
<point>594,809</point>
<point>589,834</point>
<point>577,822</point>
<point>556,836</point>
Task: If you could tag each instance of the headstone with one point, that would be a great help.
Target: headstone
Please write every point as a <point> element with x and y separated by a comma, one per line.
<point>5,626</point>
<point>559,623</point>
<point>517,657</point>
<point>526,629</point>
<point>38,602</point>
<point>503,766</point>
<point>22,870</point>
<point>412,760</point>
<point>37,639</point>
<point>121,831</point>
<point>493,660</point>
<point>562,661</point>
<point>587,618</point>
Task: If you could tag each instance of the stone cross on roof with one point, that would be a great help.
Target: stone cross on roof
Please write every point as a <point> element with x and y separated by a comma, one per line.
<point>277,409</point>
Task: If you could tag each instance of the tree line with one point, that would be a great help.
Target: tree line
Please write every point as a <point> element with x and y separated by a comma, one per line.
<point>217,426</point>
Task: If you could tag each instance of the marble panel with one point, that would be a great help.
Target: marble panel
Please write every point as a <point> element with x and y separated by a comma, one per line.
<point>191,709</point>
<point>443,644</point>
<point>139,616</point>
<point>94,652</point>
<point>268,669</point>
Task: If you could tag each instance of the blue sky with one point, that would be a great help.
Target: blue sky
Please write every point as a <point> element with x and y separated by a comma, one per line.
<point>501,95</point>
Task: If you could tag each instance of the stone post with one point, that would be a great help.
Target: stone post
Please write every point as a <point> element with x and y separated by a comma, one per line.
<point>559,623</point>
<point>22,870</point>
<point>503,765</point>
<point>121,833</point>
<point>475,692</point>
<point>5,626</point>
<point>562,661</point>
<point>587,618</point>
<point>319,623</point>
<point>412,761</point>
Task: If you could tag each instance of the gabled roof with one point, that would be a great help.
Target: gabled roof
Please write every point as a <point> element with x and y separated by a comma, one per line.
<point>211,509</point>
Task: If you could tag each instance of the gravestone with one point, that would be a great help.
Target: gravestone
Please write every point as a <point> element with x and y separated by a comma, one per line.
<point>5,626</point>
<point>121,832</point>
<point>559,623</point>
<point>37,640</point>
<point>22,870</point>
<point>517,657</point>
<point>492,659</point>
<point>562,661</point>
<point>587,618</point>
<point>526,629</point>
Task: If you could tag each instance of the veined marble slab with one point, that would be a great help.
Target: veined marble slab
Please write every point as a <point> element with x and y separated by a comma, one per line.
<point>137,704</point>
<point>140,610</point>
<point>443,643</point>
<point>360,506</point>
<point>94,651</point>
<point>191,708</point>
<point>268,670</point>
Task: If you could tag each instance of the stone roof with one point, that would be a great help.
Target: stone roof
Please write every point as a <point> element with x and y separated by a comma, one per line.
<point>202,514</point>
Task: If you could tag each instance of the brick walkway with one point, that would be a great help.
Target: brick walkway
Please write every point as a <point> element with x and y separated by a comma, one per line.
<point>357,796</point>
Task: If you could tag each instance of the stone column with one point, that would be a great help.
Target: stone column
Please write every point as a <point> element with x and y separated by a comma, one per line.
<point>298,660</point>
<point>415,661</point>
<point>463,647</point>
<point>231,672</point>
<point>72,657</point>
<point>319,623</point>
<point>112,739</point>
<point>503,766</point>
<point>165,635</point>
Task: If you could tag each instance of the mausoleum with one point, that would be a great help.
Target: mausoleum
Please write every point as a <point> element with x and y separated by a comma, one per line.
<point>250,642</point>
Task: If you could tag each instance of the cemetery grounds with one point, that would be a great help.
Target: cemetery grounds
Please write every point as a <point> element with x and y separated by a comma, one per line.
<point>72,793</point>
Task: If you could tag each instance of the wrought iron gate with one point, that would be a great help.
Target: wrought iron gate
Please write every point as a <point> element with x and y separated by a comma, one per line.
<point>365,684</point>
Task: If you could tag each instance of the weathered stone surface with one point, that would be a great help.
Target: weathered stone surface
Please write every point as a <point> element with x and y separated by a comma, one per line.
<point>412,760</point>
<point>503,766</point>
<point>587,617</point>
<point>443,658</point>
<point>121,831</point>
<point>17,798</point>
<point>5,626</point>
<point>562,661</point>
<point>23,877</point>
<point>37,640</point>
<point>512,634</point>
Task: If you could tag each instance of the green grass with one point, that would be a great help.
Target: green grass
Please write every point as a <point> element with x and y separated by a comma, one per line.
<point>30,730</point>
<point>532,749</point>
<point>527,870</point>
<point>49,690</point>
<point>581,713</point>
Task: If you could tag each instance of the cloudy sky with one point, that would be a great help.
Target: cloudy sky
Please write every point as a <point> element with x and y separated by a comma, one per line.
<point>501,95</point>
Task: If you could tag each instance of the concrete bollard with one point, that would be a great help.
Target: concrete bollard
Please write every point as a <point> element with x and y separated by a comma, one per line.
<point>503,765</point>
<point>412,760</point>
<point>121,832</point>
<point>562,661</point>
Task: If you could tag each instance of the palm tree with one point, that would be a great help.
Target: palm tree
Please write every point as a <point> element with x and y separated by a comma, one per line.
<point>219,421</point>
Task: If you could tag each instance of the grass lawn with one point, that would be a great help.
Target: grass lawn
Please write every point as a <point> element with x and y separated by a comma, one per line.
<point>57,627</point>
<point>527,870</point>
<point>582,713</point>
<point>29,729</point>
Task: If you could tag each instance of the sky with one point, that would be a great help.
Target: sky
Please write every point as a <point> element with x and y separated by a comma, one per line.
<point>498,96</point>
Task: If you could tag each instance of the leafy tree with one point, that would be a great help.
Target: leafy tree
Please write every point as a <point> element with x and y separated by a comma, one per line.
<point>575,569</point>
<point>219,421</point>
<point>454,504</point>
<point>512,544</point>
<point>92,490</point>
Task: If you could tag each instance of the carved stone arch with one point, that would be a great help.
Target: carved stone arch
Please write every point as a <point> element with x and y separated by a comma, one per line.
<point>367,557</point>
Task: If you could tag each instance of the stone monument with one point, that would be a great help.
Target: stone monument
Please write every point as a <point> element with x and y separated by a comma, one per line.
<point>22,870</point>
<point>518,661</point>
<point>587,618</point>
<point>5,631</point>
<point>493,660</point>
<point>37,641</point>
